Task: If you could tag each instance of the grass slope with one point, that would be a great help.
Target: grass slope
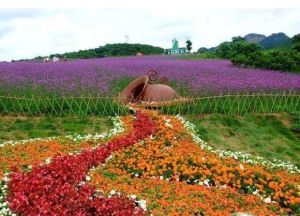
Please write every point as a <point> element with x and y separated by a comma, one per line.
<point>18,128</point>
<point>274,136</point>
<point>271,136</point>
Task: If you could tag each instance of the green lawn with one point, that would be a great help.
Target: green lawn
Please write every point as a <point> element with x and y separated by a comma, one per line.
<point>273,136</point>
<point>18,128</point>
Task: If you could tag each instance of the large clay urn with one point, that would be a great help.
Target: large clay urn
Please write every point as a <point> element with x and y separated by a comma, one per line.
<point>143,89</point>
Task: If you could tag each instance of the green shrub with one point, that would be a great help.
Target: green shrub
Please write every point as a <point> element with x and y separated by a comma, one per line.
<point>296,42</point>
<point>280,60</point>
<point>243,53</point>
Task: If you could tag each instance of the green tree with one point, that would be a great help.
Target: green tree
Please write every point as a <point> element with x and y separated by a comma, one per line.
<point>281,60</point>
<point>296,42</point>
<point>189,45</point>
<point>238,39</point>
<point>244,53</point>
<point>224,50</point>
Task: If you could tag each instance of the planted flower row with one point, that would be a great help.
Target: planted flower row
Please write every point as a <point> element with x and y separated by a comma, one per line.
<point>26,153</point>
<point>179,198</point>
<point>59,188</point>
<point>93,75</point>
<point>171,169</point>
<point>117,128</point>
<point>244,157</point>
<point>174,155</point>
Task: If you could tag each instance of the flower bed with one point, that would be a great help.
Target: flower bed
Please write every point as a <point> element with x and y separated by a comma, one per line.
<point>105,75</point>
<point>158,164</point>
<point>174,155</point>
<point>179,198</point>
<point>244,157</point>
<point>59,188</point>
<point>26,153</point>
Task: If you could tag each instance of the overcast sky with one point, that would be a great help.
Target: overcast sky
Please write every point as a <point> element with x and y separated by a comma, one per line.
<point>26,33</point>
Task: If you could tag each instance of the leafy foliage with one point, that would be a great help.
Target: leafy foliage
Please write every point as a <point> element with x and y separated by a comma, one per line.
<point>281,60</point>
<point>296,42</point>
<point>189,45</point>
<point>243,53</point>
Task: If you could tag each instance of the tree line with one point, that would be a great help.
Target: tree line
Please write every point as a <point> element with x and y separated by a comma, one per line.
<point>247,54</point>
<point>119,49</point>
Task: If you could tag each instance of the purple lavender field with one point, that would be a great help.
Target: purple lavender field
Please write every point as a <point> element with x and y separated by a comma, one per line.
<point>104,76</point>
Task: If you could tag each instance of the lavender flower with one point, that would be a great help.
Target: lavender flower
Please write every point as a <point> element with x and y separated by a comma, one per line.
<point>94,76</point>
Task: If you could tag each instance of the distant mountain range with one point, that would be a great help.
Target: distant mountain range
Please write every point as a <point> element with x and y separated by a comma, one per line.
<point>275,40</point>
<point>255,38</point>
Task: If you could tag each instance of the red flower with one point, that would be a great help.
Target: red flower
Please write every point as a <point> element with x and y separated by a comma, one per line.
<point>53,189</point>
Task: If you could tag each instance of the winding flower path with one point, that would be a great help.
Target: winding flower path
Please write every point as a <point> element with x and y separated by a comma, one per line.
<point>59,188</point>
<point>158,161</point>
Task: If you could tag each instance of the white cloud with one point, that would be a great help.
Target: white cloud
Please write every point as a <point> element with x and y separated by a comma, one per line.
<point>33,32</point>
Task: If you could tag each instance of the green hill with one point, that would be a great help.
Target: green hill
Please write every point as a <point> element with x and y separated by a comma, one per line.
<point>274,41</point>
<point>271,136</point>
<point>119,49</point>
<point>277,40</point>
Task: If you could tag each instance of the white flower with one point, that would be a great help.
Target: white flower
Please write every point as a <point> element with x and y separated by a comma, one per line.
<point>88,178</point>
<point>81,183</point>
<point>109,158</point>
<point>118,128</point>
<point>112,192</point>
<point>242,214</point>
<point>267,200</point>
<point>223,186</point>
<point>48,160</point>
<point>142,204</point>
<point>5,178</point>
<point>255,192</point>
<point>206,182</point>
<point>133,196</point>
<point>243,157</point>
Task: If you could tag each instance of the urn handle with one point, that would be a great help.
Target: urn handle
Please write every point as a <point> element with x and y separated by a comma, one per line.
<point>153,78</point>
